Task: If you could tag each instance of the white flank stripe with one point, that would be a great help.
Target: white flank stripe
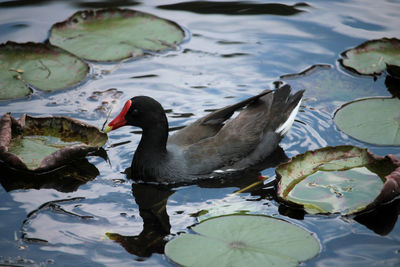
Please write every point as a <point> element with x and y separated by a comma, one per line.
<point>284,127</point>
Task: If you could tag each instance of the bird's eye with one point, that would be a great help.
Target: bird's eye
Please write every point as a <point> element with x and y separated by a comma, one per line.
<point>135,111</point>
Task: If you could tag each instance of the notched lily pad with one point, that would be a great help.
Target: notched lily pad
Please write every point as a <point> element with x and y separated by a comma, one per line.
<point>42,66</point>
<point>372,120</point>
<point>342,179</point>
<point>327,84</point>
<point>371,57</point>
<point>45,143</point>
<point>115,34</point>
<point>243,240</point>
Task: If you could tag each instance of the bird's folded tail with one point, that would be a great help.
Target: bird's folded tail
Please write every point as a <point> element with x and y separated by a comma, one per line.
<point>288,106</point>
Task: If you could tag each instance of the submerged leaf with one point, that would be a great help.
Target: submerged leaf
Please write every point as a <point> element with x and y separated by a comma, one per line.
<point>371,57</point>
<point>343,179</point>
<point>329,85</point>
<point>115,34</point>
<point>42,66</point>
<point>39,144</point>
<point>243,240</point>
<point>371,120</point>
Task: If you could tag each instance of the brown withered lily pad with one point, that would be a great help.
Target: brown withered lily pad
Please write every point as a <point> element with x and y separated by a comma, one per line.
<point>342,179</point>
<point>44,143</point>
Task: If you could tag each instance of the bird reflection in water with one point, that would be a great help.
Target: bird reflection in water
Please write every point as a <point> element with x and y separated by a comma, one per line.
<point>152,201</point>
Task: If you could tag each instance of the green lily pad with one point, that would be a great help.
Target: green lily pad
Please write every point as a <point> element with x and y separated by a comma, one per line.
<point>371,57</point>
<point>326,84</point>
<point>372,120</point>
<point>342,179</point>
<point>44,143</point>
<point>115,34</point>
<point>42,66</point>
<point>243,240</point>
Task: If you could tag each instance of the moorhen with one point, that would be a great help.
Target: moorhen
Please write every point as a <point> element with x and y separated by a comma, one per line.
<point>211,143</point>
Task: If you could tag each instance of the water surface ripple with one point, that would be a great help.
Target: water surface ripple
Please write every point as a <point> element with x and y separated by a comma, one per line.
<point>233,50</point>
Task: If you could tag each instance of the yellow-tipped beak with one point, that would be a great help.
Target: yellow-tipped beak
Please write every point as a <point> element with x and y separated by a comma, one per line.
<point>108,129</point>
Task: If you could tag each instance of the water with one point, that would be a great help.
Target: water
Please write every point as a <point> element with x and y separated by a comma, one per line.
<point>225,58</point>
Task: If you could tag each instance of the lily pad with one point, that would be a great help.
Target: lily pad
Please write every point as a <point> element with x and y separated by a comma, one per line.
<point>342,179</point>
<point>243,240</point>
<point>371,57</point>
<point>115,34</point>
<point>45,143</point>
<point>327,85</point>
<point>42,66</point>
<point>372,120</point>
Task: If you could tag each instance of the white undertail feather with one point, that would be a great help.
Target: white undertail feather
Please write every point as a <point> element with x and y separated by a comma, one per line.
<point>284,127</point>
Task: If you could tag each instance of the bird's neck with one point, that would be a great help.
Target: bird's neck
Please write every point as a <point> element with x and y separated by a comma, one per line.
<point>154,140</point>
<point>151,152</point>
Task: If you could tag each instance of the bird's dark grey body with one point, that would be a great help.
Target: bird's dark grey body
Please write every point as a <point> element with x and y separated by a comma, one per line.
<point>214,142</point>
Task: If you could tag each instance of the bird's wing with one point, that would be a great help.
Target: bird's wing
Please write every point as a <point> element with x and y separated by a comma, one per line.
<point>210,124</point>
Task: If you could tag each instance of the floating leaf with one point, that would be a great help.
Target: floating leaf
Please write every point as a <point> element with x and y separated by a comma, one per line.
<point>343,179</point>
<point>105,100</point>
<point>42,66</point>
<point>41,144</point>
<point>371,57</point>
<point>371,120</point>
<point>243,240</point>
<point>328,84</point>
<point>115,34</point>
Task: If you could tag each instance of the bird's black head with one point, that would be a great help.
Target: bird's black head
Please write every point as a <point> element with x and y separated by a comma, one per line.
<point>140,111</point>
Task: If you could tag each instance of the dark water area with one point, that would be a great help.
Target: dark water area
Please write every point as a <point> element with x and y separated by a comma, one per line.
<point>89,214</point>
